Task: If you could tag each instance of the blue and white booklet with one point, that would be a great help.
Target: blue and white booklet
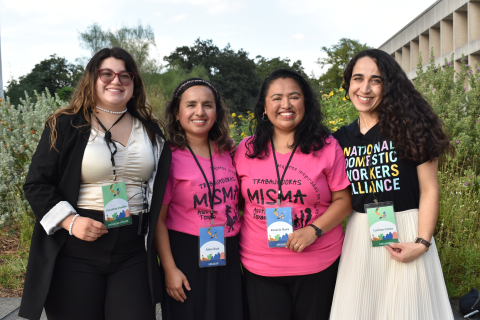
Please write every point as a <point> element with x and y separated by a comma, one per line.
<point>212,247</point>
<point>279,226</point>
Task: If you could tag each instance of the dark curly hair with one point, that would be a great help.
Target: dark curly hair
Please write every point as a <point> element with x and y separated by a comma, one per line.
<point>404,116</point>
<point>219,133</point>
<point>310,134</point>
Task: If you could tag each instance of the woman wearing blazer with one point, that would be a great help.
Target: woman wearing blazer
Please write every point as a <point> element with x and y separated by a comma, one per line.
<point>79,269</point>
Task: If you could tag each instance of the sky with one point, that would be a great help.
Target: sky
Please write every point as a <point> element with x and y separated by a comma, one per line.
<point>32,30</point>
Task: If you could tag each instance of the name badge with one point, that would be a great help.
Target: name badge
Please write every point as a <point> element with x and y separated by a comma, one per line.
<point>279,226</point>
<point>115,205</point>
<point>211,248</point>
<point>382,224</point>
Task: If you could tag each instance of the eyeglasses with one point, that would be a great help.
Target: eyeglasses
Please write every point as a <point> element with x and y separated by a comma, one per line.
<point>107,76</point>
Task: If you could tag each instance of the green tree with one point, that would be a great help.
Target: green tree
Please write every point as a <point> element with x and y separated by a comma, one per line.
<point>266,66</point>
<point>55,74</point>
<point>338,56</point>
<point>138,40</point>
<point>233,72</point>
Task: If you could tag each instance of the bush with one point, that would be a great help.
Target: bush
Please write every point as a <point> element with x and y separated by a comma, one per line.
<point>21,128</point>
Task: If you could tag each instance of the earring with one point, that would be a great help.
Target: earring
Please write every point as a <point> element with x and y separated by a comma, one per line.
<point>263,117</point>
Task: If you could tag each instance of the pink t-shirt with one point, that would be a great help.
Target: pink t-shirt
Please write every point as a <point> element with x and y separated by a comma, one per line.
<point>307,186</point>
<point>187,193</point>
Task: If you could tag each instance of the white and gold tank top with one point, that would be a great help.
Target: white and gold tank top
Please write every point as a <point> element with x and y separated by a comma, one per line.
<point>134,165</point>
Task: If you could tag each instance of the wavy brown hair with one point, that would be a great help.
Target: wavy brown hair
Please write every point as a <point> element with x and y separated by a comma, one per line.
<point>219,132</point>
<point>404,116</point>
<point>84,98</point>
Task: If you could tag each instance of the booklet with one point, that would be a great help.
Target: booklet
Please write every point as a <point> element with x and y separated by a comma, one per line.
<point>115,205</point>
<point>381,221</point>
<point>212,246</point>
<point>279,226</point>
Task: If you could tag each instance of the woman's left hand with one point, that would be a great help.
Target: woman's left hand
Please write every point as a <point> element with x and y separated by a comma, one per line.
<point>406,252</point>
<point>300,239</point>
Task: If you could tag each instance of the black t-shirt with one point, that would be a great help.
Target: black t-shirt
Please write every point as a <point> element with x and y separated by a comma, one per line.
<point>372,164</point>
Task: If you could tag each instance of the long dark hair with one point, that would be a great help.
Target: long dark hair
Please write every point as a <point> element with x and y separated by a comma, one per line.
<point>219,132</point>
<point>404,116</point>
<point>84,98</point>
<point>310,134</point>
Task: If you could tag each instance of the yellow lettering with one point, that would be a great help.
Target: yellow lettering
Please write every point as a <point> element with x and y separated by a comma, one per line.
<point>372,176</point>
<point>360,188</point>
<point>346,151</point>
<point>360,162</point>
<point>395,170</point>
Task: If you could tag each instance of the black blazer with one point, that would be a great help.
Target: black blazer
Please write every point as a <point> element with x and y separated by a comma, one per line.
<point>54,176</point>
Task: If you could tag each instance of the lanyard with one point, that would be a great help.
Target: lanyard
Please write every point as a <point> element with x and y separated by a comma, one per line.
<point>369,165</point>
<point>280,181</point>
<point>211,194</point>
<point>109,141</point>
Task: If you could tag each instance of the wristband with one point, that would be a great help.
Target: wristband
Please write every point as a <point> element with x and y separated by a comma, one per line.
<point>424,242</point>
<point>71,224</point>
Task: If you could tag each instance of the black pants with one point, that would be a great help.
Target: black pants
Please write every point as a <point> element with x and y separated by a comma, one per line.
<point>306,297</point>
<point>103,279</point>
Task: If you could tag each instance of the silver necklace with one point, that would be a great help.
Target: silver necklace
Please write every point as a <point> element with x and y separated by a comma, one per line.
<point>114,112</point>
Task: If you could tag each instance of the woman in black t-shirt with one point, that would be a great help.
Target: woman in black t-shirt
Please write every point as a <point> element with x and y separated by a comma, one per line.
<point>391,154</point>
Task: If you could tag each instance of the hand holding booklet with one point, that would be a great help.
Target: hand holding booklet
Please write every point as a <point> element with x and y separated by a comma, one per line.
<point>382,224</point>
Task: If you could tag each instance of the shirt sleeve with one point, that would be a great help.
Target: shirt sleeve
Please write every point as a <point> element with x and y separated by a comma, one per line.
<point>40,188</point>
<point>337,177</point>
<point>170,187</point>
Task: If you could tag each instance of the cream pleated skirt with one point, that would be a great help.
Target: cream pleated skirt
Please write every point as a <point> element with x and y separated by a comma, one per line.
<point>373,286</point>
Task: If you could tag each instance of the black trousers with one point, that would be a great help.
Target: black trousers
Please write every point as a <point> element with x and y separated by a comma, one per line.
<point>105,279</point>
<point>306,297</point>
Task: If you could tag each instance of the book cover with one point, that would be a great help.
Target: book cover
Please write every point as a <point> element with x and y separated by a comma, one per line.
<point>212,247</point>
<point>279,226</point>
<point>383,228</point>
<point>116,211</point>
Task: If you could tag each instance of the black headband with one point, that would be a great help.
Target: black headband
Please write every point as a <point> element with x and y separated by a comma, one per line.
<point>195,82</point>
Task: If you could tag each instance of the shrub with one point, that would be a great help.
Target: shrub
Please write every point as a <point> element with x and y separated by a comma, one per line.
<point>21,128</point>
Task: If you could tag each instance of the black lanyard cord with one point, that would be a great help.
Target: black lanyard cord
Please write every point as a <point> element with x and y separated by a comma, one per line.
<point>108,140</point>
<point>369,167</point>
<point>211,194</point>
<point>280,181</point>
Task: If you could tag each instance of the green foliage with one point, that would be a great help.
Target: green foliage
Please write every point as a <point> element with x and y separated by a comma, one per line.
<point>53,73</point>
<point>160,86</point>
<point>457,233</point>
<point>137,40</point>
<point>20,130</point>
<point>232,72</point>
<point>457,106</point>
<point>338,56</point>
<point>338,111</point>
<point>266,66</point>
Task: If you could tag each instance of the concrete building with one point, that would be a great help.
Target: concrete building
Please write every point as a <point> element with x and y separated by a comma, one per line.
<point>449,26</point>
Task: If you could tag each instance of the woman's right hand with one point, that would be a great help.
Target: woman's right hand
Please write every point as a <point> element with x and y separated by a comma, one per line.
<point>85,228</point>
<point>174,281</point>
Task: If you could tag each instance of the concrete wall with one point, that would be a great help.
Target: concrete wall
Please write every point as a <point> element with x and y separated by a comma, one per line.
<point>450,27</point>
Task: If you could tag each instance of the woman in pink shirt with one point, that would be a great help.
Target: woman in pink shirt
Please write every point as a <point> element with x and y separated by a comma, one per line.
<point>291,145</point>
<point>202,189</point>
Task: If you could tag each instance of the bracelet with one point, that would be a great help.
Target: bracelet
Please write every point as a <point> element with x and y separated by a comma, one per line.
<point>71,224</point>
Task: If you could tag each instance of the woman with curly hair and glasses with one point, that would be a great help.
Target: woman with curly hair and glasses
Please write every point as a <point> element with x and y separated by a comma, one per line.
<point>391,154</point>
<point>197,233</point>
<point>292,177</point>
<point>96,184</point>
